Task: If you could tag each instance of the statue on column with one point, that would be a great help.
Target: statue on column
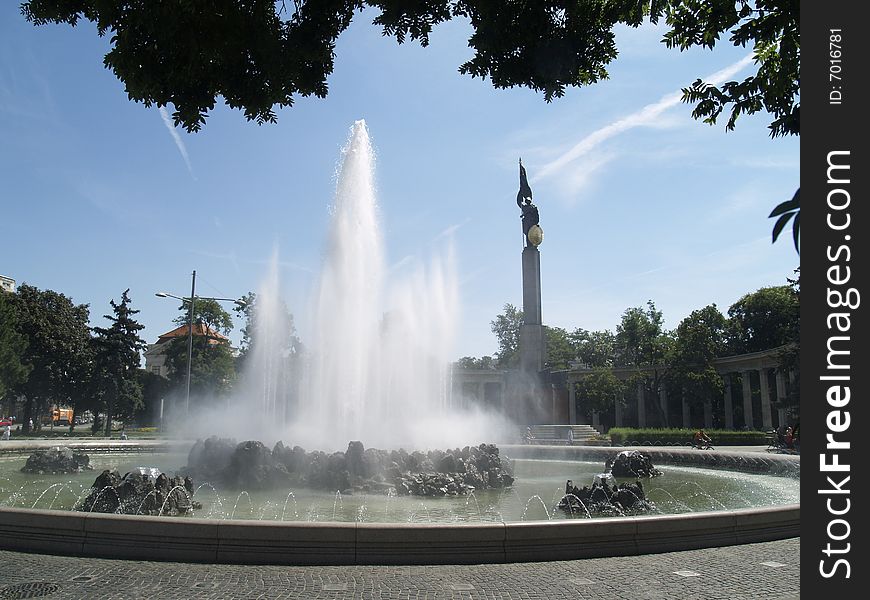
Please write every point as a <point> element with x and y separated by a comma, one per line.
<point>529,215</point>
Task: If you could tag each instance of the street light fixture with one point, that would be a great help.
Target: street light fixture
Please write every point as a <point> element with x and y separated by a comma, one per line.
<point>192,300</point>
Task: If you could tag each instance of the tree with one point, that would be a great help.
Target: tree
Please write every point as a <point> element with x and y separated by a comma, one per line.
<point>258,54</point>
<point>213,366</point>
<point>699,339</point>
<point>506,328</point>
<point>593,348</point>
<point>116,363</point>
<point>472,363</point>
<point>154,389</point>
<point>764,319</point>
<point>643,344</point>
<point>278,327</point>
<point>212,369</point>
<point>560,352</point>
<point>790,355</point>
<point>244,308</point>
<point>58,349</point>
<point>13,370</point>
<point>208,313</point>
<point>600,389</point>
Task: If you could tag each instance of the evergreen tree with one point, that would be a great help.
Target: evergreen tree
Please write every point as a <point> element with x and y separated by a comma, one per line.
<point>117,360</point>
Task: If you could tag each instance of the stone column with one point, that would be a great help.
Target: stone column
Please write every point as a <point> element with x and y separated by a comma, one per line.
<point>617,412</point>
<point>780,394</point>
<point>687,415</point>
<point>663,402</point>
<point>572,403</point>
<point>747,399</point>
<point>729,406</point>
<point>766,417</point>
<point>554,410</point>
<point>641,407</point>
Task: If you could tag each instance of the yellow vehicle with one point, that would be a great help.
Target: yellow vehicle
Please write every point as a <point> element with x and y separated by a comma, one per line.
<point>61,416</point>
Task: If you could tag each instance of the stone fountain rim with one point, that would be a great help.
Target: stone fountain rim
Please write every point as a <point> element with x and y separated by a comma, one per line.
<point>293,543</point>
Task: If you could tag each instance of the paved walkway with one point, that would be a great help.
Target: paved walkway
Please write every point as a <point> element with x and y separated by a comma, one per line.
<point>767,571</point>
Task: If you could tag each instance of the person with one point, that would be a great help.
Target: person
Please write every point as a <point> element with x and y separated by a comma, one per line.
<point>702,440</point>
<point>123,435</point>
<point>789,438</point>
<point>570,436</point>
<point>796,436</point>
<point>7,433</point>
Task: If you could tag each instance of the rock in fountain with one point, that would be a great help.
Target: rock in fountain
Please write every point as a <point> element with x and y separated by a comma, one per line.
<point>602,499</point>
<point>57,460</point>
<point>250,465</point>
<point>140,494</point>
<point>605,496</point>
<point>632,463</point>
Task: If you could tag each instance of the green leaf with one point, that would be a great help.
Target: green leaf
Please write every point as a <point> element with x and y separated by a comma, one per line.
<point>788,205</point>
<point>796,232</point>
<point>780,224</point>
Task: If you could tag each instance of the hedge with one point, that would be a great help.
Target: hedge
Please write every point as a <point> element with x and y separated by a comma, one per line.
<point>627,436</point>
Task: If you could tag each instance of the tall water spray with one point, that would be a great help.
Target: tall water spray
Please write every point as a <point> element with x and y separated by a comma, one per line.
<point>377,344</point>
<point>377,359</point>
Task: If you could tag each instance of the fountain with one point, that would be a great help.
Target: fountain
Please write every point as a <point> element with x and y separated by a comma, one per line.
<point>378,344</point>
<point>375,372</point>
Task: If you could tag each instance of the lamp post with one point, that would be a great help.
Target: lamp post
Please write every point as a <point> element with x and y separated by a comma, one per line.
<point>192,300</point>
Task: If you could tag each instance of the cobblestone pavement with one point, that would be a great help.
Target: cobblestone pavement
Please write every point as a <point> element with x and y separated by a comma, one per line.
<point>768,571</point>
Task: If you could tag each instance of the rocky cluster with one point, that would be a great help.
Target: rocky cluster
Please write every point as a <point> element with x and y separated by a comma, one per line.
<point>250,465</point>
<point>57,460</point>
<point>602,499</point>
<point>147,492</point>
<point>632,463</point>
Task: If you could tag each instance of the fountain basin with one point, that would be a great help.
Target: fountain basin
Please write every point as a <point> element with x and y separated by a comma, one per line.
<point>309,543</point>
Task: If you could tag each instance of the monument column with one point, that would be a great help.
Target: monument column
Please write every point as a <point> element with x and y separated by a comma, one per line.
<point>729,406</point>
<point>531,329</point>
<point>532,344</point>
<point>747,400</point>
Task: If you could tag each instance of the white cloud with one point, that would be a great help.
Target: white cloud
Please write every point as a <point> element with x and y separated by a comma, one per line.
<point>177,138</point>
<point>649,115</point>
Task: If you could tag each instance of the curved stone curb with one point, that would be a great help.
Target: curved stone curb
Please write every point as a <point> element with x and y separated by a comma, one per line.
<point>258,542</point>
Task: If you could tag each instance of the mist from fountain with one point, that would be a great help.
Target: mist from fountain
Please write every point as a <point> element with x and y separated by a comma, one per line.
<point>376,366</point>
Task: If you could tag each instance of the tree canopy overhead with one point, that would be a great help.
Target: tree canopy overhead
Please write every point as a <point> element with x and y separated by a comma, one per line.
<point>261,54</point>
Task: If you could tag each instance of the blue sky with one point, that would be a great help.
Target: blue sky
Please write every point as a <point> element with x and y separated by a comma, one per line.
<point>638,201</point>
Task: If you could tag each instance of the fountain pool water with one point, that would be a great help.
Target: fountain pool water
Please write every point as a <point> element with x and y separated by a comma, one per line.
<point>539,486</point>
